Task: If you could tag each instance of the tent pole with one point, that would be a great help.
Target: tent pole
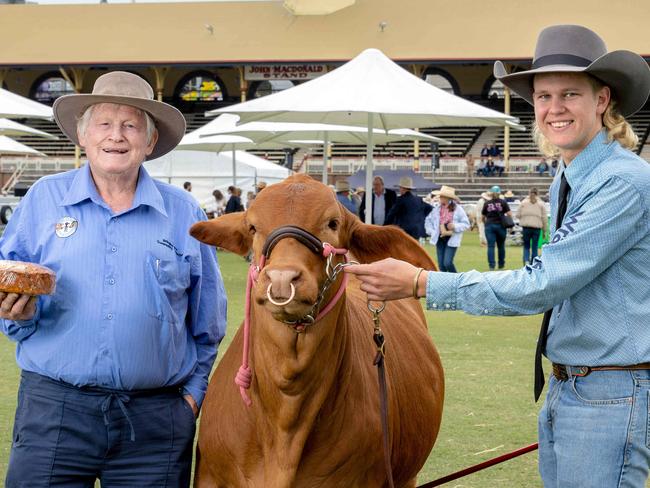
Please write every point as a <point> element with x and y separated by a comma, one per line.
<point>369,149</point>
<point>234,167</point>
<point>325,151</point>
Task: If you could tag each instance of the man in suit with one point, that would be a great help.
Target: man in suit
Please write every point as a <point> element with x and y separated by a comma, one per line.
<point>409,210</point>
<point>382,201</point>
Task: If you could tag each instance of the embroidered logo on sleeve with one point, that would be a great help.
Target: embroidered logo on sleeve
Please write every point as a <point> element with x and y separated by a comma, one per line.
<point>566,228</point>
<point>66,227</point>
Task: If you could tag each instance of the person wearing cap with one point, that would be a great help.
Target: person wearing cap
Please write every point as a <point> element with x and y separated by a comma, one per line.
<point>446,224</point>
<point>342,188</point>
<point>260,186</point>
<point>115,362</point>
<point>592,278</point>
<point>383,200</point>
<point>495,234</point>
<point>409,210</point>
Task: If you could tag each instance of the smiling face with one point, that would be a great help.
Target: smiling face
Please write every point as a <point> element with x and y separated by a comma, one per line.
<point>115,140</point>
<point>568,110</point>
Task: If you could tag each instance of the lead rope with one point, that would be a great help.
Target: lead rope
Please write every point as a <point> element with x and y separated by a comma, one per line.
<point>378,337</point>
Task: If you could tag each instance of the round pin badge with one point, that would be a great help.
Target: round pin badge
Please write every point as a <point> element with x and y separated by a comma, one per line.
<point>66,227</point>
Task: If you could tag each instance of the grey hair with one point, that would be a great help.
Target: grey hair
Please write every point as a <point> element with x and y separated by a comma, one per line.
<point>82,122</point>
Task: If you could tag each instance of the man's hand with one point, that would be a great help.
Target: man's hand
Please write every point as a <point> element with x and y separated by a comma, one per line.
<point>195,408</point>
<point>450,226</point>
<point>388,279</point>
<point>17,307</point>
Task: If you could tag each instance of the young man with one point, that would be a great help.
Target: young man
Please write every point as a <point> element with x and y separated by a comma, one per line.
<point>115,363</point>
<point>593,276</point>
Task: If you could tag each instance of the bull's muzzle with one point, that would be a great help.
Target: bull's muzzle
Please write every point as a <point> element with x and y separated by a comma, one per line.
<point>269,295</point>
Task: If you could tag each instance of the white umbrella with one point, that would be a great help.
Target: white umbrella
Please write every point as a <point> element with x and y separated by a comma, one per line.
<point>14,106</point>
<point>9,146</point>
<point>370,91</point>
<point>268,132</point>
<point>13,128</point>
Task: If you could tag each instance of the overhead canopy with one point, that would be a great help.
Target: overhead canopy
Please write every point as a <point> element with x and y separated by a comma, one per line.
<point>9,146</point>
<point>208,171</point>
<point>14,106</point>
<point>12,128</point>
<point>369,84</point>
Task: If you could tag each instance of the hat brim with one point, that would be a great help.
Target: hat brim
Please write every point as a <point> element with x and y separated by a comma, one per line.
<point>446,195</point>
<point>625,72</point>
<point>169,120</point>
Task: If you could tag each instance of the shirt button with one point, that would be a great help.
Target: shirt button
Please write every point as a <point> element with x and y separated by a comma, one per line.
<point>111,281</point>
<point>109,316</point>
<point>114,249</point>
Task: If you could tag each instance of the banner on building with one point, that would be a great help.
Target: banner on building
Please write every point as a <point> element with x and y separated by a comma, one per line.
<point>284,72</point>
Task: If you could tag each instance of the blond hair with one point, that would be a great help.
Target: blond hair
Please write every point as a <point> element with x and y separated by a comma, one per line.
<point>616,126</point>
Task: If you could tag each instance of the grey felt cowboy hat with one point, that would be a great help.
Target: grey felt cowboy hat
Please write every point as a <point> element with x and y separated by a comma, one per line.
<point>123,88</point>
<point>576,49</point>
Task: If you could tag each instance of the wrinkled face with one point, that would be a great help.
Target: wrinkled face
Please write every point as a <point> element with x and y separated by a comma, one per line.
<point>377,186</point>
<point>115,140</point>
<point>568,110</point>
<point>292,268</point>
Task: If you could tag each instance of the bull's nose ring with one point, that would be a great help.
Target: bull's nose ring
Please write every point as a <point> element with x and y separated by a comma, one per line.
<point>280,304</point>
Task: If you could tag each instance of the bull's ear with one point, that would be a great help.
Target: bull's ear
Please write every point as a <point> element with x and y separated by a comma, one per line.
<point>229,232</point>
<point>369,243</point>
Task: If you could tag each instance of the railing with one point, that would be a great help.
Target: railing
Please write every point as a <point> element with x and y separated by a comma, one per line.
<point>18,166</point>
<point>447,165</point>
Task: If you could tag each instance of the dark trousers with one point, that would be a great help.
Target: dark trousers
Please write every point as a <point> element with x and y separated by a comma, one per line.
<point>495,234</point>
<point>68,436</point>
<point>530,238</point>
<point>446,255</point>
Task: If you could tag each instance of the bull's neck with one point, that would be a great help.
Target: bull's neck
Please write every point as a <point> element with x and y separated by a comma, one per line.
<point>294,375</point>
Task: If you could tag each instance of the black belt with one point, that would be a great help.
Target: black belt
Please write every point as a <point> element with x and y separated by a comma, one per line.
<point>563,372</point>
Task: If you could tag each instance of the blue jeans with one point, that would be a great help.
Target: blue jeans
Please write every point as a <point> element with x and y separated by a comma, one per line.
<point>530,237</point>
<point>446,255</point>
<point>593,431</point>
<point>495,234</point>
<point>69,436</point>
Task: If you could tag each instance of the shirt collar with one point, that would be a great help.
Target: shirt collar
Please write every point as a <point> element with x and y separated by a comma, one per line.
<point>586,160</point>
<point>83,188</point>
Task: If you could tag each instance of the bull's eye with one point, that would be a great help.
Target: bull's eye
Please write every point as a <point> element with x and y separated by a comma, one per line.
<point>333,224</point>
<point>251,229</point>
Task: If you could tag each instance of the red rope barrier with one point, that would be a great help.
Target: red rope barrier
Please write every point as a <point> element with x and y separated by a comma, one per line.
<point>480,466</point>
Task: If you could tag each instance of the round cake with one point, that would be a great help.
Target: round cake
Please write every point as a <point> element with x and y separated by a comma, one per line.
<point>26,278</point>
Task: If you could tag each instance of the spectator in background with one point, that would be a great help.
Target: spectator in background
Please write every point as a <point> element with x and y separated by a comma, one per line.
<point>553,169</point>
<point>250,196</point>
<point>499,166</point>
<point>234,202</point>
<point>187,186</point>
<point>542,167</point>
<point>494,151</point>
<point>495,233</point>
<point>509,196</point>
<point>445,224</point>
<point>533,220</point>
<point>216,205</point>
<point>409,210</point>
<point>383,200</point>
<point>480,203</point>
<point>485,152</point>
<point>469,168</point>
<point>489,167</point>
<point>357,197</point>
<point>342,188</point>
<point>260,186</point>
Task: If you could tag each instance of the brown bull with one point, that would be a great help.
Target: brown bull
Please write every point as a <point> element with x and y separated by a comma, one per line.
<point>314,420</point>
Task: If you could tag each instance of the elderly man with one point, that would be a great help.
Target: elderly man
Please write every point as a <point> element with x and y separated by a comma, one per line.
<point>592,279</point>
<point>382,201</point>
<point>342,188</point>
<point>115,363</point>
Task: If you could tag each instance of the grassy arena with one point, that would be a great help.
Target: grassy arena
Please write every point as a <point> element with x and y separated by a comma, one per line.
<point>488,362</point>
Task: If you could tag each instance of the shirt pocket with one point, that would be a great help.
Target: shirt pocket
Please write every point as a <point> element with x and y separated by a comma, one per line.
<point>166,283</point>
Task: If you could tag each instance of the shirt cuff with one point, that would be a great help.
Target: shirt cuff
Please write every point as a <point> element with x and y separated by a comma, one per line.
<point>441,291</point>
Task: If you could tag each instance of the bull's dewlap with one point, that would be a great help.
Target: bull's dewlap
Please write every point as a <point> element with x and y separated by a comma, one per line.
<point>26,278</point>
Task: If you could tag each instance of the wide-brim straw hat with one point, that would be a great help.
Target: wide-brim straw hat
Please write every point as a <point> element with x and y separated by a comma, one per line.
<point>123,88</point>
<point>576,49</point>
<point>406,182</point>
<point>446,191</point>
<point>342,185</point>
<point>509,194</point>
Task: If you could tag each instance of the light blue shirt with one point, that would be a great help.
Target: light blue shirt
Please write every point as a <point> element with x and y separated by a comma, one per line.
<point>346,202</point>
<point>460,221</point>
<point>379,208</point>
<point>595,271</point>
<point>139,303</point>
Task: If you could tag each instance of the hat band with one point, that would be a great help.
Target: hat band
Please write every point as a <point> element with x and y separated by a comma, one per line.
<point>553,59</point>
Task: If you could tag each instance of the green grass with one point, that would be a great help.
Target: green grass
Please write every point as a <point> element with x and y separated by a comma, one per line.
<point>488,363</point>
